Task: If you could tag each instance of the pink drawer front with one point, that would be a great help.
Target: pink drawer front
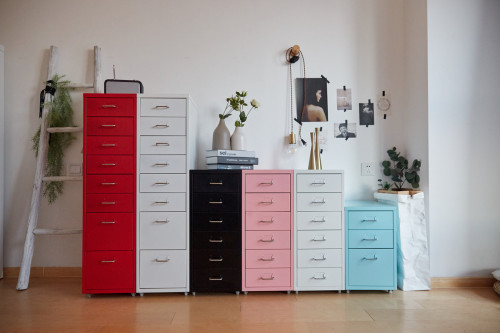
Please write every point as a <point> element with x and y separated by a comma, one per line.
<point>267,221</point>
<point>267,202</point>
<point>267,258</point>
<point>279,182</point>
<point>271,239</point>
<point>267,277</point>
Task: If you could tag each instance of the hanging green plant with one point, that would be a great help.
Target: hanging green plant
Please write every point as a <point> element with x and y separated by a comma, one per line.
<point>60,115</point>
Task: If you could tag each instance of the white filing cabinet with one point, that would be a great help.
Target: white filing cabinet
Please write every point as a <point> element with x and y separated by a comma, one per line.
<point>319,230</point>
<point>163,164</point>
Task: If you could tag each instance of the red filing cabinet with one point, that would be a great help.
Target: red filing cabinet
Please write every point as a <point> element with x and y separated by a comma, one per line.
<point>109,193</point>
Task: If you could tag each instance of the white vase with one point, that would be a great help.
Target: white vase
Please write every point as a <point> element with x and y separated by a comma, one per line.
<point>221,138</point>
<point>238,140</point>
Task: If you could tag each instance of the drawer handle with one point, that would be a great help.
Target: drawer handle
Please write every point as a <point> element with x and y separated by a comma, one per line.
<point>108,203</point>
<point>108,106</point>
<point>215,183</point>
<point>161,164</point>
<point>319,278</point>
<point>162,107</point>
<point>161,125</point>
<point>319,240</point>
<point>320,182</point>
<point>161,221</point>
<point>318,202</point>
<point>267,221</point>
<point>267,202</point>
<point>370,239</point>
<point>269,278</point>
<point>162,144</point>
<point>160,203</point>
<point>367,219</point>
<point>319,221</point>
<point>267,183</point>
<point>319,259</point>
<point>215,221</point>
<point>108,184</point>
<point>162,260</point>
<point>108,125</point>
<point>215,240</point>
<point>267,240</point>
<point>215,202</point>
<point>108,261</point>
<point>108,164</point>
<point>215,259</point>
<point>108,222</point>
<point>267,259</point>
<point>160,183</point>
<point>374,258</point>
<point>215,278</point>
<point>108,145</point>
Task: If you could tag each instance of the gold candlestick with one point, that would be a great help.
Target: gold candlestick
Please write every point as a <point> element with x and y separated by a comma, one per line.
<point>311,156</point>
<point>317,155</point>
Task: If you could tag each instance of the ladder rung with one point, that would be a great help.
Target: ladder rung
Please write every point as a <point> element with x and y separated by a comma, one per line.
<point>81,85</point>
<point>62,178</point>
<point>40,231</point>
<point>64,129</point>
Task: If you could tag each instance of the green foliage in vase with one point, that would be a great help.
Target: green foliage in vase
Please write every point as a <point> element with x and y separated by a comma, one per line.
<point>400,171</point>
<point>237,103</point>
<point>60,115</point>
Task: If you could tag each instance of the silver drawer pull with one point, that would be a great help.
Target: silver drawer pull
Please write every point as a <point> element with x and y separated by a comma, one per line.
<point>108,164</point>
<point>215,278</point>
<point>215,240</point>
<point>267,259</point>
<point>162,144</point>
<point>108,145</point>
<point>160,203</point>
<point>319,182</point>
<point>161,221</point>
<point>216,259</point>
<point>108,203</point>
<point>108,261</point>
<point>319,278</point>
<point>319,240</point>
<point>267,183</point>
<point>108,222</point>
<point>215,183</point>
<point>215,221</point>
<point>108,106</point>
<point>215,202</point>
<point>267,240</point>
<point>370,239</point>
<point>267,202</point>
<point>162,107</point>
<point>108,184</point>
<point>267,221</point>
<point>108,125</point>
<point>160,164</point>
<point>374,258</point>
<point>160,183</point>
<point>367,219</point>
<point>318,202</point>
<point>319,259</point>
<point>162,260</point>
<point>161,125</point>
<point>319,221</point>
<point>265,278</point>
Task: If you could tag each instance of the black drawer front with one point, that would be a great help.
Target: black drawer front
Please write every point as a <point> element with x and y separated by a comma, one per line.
<point>216,222</point>
<point>216,202</point>
<point>215,181</point>
<point>216,240</point>
<point>216,280</point>
<point>215,259</point>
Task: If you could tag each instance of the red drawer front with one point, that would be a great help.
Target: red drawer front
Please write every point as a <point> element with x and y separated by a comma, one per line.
<point>109,270</point>
<point>109,231</point>
<point>268,277</point>
<point>110,184</point>
<point>110,106</point>
<point>113,164</point>
<point>267,221</point>
<point>267,258</point>
<point>271,239</point>
<point>267,182</point>
<point>110,126</point>
<point>110,145</point>
<point>113,202</point>
<point>268,202</point>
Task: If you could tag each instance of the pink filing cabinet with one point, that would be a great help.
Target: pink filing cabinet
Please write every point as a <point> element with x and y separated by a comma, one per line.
<point>267,230</point>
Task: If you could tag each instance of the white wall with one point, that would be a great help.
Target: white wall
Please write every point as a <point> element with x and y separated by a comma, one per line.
<point>464,82</point>
<point>208,49</point>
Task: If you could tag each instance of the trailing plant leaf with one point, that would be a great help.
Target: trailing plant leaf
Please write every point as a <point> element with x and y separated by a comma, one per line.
<point>60,115</point>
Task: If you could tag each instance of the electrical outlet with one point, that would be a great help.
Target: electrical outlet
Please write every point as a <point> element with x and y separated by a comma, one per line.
<point>74,169</point>
<point>367,169</point>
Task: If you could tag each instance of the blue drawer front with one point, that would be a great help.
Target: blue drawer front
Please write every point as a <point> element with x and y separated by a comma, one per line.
<point>371,219</point>
<point>370,268</point>
<point>371,239</point>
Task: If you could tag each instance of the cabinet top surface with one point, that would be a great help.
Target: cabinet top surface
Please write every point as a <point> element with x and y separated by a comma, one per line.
<point>372,205</point>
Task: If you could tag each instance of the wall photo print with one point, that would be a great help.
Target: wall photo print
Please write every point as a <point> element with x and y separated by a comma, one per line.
<point>344,99</point>
<point>312,102</point>
<point>344,130</point>
<point>366,114</point>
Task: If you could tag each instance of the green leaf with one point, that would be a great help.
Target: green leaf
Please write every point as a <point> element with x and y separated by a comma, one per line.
<point>386,164</point>
<point>414,185</point>
<point>410,175</point>
<point>387,172</point>
<point>237,123</point>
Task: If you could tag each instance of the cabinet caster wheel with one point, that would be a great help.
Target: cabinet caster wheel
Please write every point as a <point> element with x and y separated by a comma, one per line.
<point>288,292</point>
<point>347,291</point>
<point>237,293</point>
<point>141,294</point>
<point>339,291</point>
<point>245,292</point>
<point>132,294</point>
<point>296,292</point>
<point>389,291</point>
<point>194,293</point>
<point>186,293</point>
<point>89,295</point>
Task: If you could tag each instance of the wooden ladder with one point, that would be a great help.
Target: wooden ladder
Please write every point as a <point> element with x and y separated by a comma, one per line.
<point>41,161</point>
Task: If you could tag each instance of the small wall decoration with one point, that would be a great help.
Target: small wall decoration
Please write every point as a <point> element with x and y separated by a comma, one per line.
<point>312,99</point>
<point>366,114</point>
<point>384,104</point>
<point>344,130</point>
<point>344,99</point>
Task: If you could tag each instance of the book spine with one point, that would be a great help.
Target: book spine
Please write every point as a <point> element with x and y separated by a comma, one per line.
<point>230,167</point>
<point>233,153</point>
<point>232,160</point>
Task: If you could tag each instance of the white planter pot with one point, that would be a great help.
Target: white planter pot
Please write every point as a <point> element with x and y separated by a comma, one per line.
<point>238,140</point>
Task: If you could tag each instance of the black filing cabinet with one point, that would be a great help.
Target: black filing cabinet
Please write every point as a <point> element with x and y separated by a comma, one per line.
<point>215,231</point>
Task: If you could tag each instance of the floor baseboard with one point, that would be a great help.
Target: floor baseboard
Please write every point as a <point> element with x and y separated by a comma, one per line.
<point>462,282</point>
<point>13,272</point>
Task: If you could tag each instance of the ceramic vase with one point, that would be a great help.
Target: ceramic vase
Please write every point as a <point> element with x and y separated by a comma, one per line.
<point>221,138</point>
<point>238,140</point>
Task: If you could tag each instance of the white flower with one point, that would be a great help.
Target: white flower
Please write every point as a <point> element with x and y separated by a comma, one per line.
<point>255,104</point>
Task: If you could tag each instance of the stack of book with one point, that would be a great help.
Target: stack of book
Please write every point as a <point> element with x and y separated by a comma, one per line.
<point>225,159</point>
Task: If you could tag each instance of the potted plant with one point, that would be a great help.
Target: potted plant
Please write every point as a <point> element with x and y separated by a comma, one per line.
<point>400,171</point>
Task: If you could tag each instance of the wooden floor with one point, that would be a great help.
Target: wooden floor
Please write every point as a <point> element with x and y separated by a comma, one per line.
<point>57,305</point>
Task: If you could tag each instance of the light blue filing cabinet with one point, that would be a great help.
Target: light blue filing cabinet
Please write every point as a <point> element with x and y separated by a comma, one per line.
<point>370,245</point>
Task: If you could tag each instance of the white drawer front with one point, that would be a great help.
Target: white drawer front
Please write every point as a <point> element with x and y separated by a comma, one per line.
<point>163,269</point>
<point>163,144</point>
<point>162,107</point>
<point>320,277</point>
<point>321,182</point>
<point>162,230</point>
<point>163,182</point>
<point>320,258</point>
<point>162,202</point>
<point>319,202</point>
<point>163,126</point>
<point>319,239</point>
<point>318,220</point>
<point>162,164</point>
